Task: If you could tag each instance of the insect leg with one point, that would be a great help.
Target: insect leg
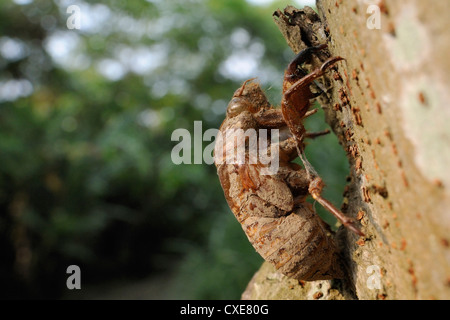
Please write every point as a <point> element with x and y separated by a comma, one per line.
<point>306,80</point>
<point>315,189</point>
<point>324,66</point>
<point>330,62</point>
<point>313,135</point>
<point>310,113</point>
<point>301,57</point>
<point>272,118</point>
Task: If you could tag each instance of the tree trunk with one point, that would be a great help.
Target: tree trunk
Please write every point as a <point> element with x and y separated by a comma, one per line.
<point>389,105</point>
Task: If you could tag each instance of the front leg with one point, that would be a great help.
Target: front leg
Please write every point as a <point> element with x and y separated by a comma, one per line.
<point>295,102</point>
<point>274,119</point>
<point>302,57</point>
<point>270,119</point>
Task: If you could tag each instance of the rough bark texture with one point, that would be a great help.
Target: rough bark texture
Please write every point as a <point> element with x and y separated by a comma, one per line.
<point>389,104</point>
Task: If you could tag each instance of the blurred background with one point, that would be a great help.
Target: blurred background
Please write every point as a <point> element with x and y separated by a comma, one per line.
<point>86,117</point>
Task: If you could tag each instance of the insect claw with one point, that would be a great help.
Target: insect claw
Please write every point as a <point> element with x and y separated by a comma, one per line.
<point>302,57</point>
<point>350,224</point>
<point>329,63</point>
<point>355,230</point>
<point>310,113</point>
<point>313,135</point>
<point>320,47</point>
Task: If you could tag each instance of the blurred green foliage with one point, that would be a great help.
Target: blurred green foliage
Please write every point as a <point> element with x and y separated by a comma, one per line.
<point>86,118</point>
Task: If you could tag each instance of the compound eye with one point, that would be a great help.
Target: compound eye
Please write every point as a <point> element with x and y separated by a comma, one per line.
<point>236,106</point>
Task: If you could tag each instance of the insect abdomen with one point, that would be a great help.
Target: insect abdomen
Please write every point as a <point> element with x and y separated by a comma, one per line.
<point>296,244</point>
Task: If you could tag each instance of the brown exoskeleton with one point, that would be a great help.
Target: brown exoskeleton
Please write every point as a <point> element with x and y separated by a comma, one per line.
<point>271,208</point>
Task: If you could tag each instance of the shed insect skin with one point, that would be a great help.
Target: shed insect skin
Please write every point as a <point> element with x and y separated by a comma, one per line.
<point>272,209</point>
<point>279,223</point>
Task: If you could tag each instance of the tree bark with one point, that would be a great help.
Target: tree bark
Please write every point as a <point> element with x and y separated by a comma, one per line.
<point>389,105</point>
